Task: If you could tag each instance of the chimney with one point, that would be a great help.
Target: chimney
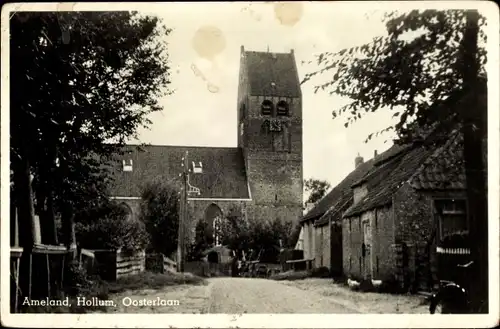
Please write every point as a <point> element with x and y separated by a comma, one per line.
<point>375,153</point>
<point>242,49</point>
<point>358,161</point>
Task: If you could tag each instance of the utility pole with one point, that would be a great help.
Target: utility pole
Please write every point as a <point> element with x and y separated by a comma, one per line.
<point>182,213</point>
<point>183,210</point>
<point>474,117</point>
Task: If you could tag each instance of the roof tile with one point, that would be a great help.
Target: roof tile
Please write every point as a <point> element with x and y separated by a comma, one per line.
<point>265,68</point>
<point>224,174</point>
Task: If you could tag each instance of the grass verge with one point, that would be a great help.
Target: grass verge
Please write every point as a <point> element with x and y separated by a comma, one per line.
<point>94,287</point>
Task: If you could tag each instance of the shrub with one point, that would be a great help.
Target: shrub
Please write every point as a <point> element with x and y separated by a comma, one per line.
<point>110,230</point>
<point>150,280</point>
<point>77,283</point>
<point>160,214</point>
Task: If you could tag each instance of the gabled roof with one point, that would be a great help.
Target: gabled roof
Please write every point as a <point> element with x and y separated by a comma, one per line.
<point>339,194</point>
<point>445,169</point>
<point>264,68</point>
<point>224,174</point>
<point>437,166</point>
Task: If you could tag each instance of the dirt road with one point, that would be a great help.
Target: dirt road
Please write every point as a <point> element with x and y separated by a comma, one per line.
<point>243,295</point>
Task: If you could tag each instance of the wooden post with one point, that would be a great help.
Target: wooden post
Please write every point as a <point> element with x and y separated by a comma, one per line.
<point>48,275</point>
<point>474,117</point>
<point>182,215</point>
<point>30,271</point>
<point>18,261</point>
<point>62,270</point>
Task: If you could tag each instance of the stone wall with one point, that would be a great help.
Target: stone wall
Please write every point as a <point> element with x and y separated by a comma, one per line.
<point>415,223</point>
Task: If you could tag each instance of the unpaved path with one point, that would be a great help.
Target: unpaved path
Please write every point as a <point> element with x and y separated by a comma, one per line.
<point>243,295</point>
<point>191,299</point>
<point>251,295</point>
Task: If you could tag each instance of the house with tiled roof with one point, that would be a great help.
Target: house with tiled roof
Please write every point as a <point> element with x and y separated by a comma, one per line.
<point>409,201</point>
<point>261,177</point>
<point>322,240</point>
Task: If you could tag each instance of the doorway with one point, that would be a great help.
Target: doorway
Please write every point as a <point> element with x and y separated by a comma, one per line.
<point>367,250</point>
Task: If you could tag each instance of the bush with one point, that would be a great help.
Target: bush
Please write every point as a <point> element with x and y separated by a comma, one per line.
<point>150,280</point>
<point>160,214</point>
<point>77,283</point>
<point>111,230</point>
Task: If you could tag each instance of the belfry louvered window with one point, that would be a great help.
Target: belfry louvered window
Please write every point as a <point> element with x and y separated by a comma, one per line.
<point>282,108</point>
<point>267,107</point>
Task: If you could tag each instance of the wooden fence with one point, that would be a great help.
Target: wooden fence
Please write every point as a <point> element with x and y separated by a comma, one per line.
<point>114,264</point>
<point>159,263</point>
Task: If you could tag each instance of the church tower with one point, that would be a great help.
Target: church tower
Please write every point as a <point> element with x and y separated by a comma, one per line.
<point>270,133</point>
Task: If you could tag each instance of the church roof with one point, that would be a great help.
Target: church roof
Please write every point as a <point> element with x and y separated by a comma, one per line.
<point>265,68</point>
<point>224,175</point>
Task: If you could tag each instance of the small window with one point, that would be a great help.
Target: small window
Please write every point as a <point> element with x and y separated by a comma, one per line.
<point>377,266</point>
<point>267,107</point>
<point>452,217</point>
<point>197,167</point>
<point>127,165</point>
<point>282,108</point>
<point>350,263</point>
<point>350,225</point>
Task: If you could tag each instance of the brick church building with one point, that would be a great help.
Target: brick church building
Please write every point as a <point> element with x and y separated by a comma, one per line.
<point>262,177</point>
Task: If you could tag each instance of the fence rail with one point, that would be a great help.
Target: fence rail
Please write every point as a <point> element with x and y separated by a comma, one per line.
<point>453,251</point>
<point>115,264</point>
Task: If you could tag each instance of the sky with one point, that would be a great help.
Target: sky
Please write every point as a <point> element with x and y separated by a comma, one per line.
<point>195,116</point>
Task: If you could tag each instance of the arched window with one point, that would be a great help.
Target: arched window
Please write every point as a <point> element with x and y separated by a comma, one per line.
<point>213,217</point>
<point>267,107</point>
<point>127,210</point>
<point>282,108</point>
<point>217,230</point>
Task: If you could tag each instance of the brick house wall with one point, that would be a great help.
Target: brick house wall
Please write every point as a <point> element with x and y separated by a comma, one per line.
<point>415,224</point>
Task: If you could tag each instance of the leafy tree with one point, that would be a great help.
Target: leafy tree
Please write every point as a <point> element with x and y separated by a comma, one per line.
<point>316,188</point>
<point>78,80</point>
<point>160,213</point>
<point>202,241</point>
<point>107,227</point>
<point>427,58</point>
<point>235,230</point>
